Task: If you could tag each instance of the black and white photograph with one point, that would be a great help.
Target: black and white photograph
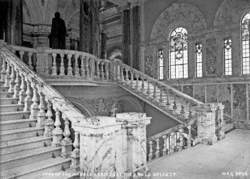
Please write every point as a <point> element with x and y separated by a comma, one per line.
<point>124,89</point>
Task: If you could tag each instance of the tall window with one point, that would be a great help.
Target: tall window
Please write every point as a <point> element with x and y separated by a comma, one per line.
<point>178,54</point>
<point>228,56</point>
<point>198,60</point>
<point>161,65</point>
<point>245,30</point>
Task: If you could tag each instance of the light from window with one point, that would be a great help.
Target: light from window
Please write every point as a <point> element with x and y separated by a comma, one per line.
<point>245,30</point>
<point>178,54</point>
<point>198,60</point>
<point>161,65</point>
<point>228,56</point>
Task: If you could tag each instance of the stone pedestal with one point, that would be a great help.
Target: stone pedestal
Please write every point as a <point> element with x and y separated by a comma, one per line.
<point>112,147</point>
<point>206,125</point>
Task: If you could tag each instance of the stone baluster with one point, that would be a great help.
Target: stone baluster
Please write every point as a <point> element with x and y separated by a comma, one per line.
<point>148,88</point>
<point>75,155</point>
<point>22,91</point>
<point>181,143</point>
<point>34,108</point>
<point>17,85</point>
<point>87,68</point>
<point>161,91</point>
<point>66,142</point>
<point>150,154</point>
<point>30,60</point>
<point>102,70</point>
<point>127,74</point>
<point>107,69</point>
<point>92,68</point>
<point>21,53</point>
<point>132,78</point>
<point>57,132</point>
<point>171,142</point>
<point>136,82</point>
<point>54,69</point>
<point>154,93</point>
<point>3,71</point>
<point>49,123</point>
<point>62,69</point>
<point>82,66</point>
<point>27,100</point>
<point>189,127</point>
<point>77,69</point>
<point>97,69</point>
<point>122,75</point>
<point>41,116</point>
<point>157,149</point>
<point>12,80</point>
<point>165,144</point>
<point>70,70</point>
<point>142,84</point>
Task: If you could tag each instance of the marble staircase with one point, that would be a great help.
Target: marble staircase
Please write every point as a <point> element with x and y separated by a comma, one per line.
<point>24,151</point>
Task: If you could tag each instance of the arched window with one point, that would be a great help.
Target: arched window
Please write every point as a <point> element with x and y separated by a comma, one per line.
<point>198,51</point>
<point>245,30</point>
<point>228,56</point>
<point>178,54</point>
<point>160,65</point>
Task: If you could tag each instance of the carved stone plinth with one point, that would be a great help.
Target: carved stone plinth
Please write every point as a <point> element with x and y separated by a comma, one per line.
<point>112,146</point>
<point>206,125</point>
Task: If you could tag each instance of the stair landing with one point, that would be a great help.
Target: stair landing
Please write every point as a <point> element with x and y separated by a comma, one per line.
<point>229,158</point>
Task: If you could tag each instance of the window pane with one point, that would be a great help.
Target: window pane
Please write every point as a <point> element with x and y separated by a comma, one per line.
<point>178,53</point>
<point>245,24</point>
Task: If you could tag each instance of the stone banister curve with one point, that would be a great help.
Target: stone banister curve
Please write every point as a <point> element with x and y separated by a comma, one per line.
<point>60,102</point>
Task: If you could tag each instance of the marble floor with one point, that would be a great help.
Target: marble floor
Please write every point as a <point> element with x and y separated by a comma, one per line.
<point>229,158</point>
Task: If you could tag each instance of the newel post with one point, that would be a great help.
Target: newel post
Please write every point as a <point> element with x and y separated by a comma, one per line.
<point>113,145</point>
<point>206,124</point>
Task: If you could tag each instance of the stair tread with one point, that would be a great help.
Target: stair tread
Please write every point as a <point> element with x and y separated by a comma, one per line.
<point>11,105</point>
<point>35,166</point>
<point>13,131</point>
<point>23,141</point>
<point>15,112</point>
<point>17,121</point>
<point>26,153</point>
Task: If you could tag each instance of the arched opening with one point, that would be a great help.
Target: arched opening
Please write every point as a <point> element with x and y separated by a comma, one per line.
<point>178,53</point>
<point>245,40</point>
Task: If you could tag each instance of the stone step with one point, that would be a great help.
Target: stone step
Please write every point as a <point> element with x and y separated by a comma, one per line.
<point>5,94</point>
<point>21,133</point>
<point>7,101</point>
<point>11,108</point>
<point>28,156</point>
<point>17,124</point>
<point>24,144</point>
<point>14,115</point>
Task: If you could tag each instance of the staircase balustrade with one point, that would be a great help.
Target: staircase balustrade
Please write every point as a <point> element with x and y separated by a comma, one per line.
<point>64,63</point>
<point>171,140</point>
<point>165,97</point>
<point>52,111</point>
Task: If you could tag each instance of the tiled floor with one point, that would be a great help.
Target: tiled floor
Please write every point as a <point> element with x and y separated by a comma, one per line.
<point>229,158</point>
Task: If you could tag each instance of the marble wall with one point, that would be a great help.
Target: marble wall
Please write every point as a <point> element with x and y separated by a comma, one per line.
<point>234,95</point>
